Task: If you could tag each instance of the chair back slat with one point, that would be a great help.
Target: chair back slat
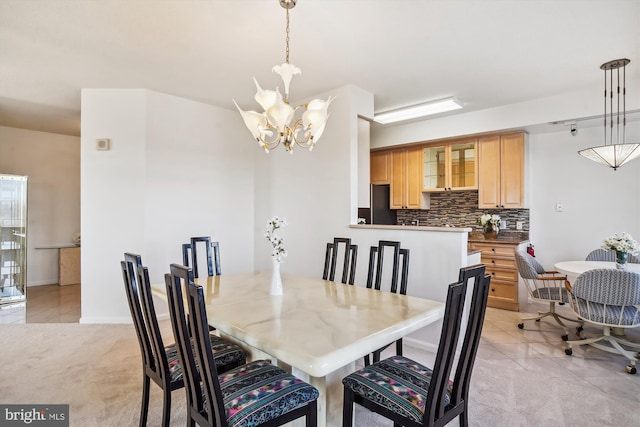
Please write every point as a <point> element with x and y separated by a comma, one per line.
<point>471,342</point>
<point>601,254</point>
<point>160,363</point>
<point>212,249</point>
<point>399,268</point>
<point>206,386</point>
<point>435,407</point>
<point>129,272</point>
<point>177,313</point>
<point>350,256</point>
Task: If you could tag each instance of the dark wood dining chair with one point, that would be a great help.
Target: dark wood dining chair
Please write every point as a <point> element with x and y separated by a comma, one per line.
<point>413,395</point>
<point>399,270</point>
<point>190,255</point>
<point>350,257</point>
<point>255,394</point>
<point>160,362</point>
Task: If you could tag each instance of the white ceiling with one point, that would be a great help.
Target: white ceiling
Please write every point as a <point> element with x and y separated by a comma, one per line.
<point>485,52</point>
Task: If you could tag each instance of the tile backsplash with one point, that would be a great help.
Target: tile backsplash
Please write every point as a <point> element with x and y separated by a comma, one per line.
<point>459,209</point>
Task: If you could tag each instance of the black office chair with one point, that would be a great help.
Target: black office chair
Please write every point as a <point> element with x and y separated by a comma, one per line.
<point>350,256</point>
<point>255,394</point>
<point>399,269</point>
<point>413,395</point>
<point>160,362</point>
<point>212,251</point>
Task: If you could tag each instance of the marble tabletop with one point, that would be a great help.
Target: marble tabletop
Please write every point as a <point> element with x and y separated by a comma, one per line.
<point>317,328</point>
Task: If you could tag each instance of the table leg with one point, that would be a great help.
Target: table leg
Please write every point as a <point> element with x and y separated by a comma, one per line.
<point>331,394</point>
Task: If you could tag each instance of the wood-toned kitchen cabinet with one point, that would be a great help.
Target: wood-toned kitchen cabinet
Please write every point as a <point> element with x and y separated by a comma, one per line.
<point>406,178</point>
<point>500,261</point>
<point>380,167</point>
<point>450,167</point>
<point>501,171</point>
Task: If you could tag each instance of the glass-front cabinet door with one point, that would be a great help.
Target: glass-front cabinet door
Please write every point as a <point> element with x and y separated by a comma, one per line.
<point>13,238</point>
<point>464,166</point>
<point>435,168</point>
<point>450,167</point>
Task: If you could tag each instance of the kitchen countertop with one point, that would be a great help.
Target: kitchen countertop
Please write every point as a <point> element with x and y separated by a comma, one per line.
<point>413,228</point>
<point>505,237</point>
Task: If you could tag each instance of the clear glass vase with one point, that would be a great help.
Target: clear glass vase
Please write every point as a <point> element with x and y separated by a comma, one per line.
<point>621,260</point>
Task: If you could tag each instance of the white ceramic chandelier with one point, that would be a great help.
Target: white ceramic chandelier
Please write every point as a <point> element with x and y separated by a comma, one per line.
<point>614,154</point>
<point>280,123</point>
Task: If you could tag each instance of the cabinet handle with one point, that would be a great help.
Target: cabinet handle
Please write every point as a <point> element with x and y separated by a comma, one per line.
<point>493,273</point>
<point>493,261</point>
<point>497,206</point>
<point>493,249</point>
<point>493,290</point>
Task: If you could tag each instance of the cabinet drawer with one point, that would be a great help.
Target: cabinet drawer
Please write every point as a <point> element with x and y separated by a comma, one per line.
<point>489,249</point>
<point>503,291</point>
<point>509,263</point>
<point>502,275</point>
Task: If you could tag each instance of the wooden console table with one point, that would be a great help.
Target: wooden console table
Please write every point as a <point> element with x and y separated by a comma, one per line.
<point>68,263</point>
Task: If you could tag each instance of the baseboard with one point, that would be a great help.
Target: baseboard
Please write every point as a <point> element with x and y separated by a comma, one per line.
<point>105,320</point>
<point>42,283</point>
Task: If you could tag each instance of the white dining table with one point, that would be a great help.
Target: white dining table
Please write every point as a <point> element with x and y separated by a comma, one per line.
<point>572,269</point>
<point>316,330</point>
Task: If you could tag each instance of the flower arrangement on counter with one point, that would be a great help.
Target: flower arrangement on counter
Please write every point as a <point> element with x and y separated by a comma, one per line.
<point>487,220</point>
<point>622,243</point>
<point>277,241</point>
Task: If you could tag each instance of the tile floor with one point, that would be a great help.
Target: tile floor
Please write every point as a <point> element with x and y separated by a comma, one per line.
<point>45,304</point>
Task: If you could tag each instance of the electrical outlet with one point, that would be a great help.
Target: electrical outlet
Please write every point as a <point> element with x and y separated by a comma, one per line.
<point>503,224</point>
<point>519,225</point>
<point>559,207</point>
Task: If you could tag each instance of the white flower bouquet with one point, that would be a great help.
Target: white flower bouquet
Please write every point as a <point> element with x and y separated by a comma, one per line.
<point>276,240</point>
<point>489,220</point>
<point>622,243</point>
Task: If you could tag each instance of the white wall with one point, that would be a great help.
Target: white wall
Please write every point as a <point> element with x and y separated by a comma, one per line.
<point>316,191</point>
<point>597,200</point>
<point>174,170</point>
<point>52,163</point>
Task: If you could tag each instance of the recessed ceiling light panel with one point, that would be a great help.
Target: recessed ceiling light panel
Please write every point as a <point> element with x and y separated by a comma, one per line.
<point>420,110</point>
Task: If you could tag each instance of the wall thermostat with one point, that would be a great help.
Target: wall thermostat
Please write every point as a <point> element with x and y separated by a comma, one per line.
<point>103,144</point>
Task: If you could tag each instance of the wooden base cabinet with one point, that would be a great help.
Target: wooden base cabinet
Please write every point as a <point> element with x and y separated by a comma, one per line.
<point>500,260</point>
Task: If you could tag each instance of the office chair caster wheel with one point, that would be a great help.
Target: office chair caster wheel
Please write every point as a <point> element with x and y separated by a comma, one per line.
<point>568,351</point>
<point>565,338</point>
<point>631,369</point>
<point>520,325</point>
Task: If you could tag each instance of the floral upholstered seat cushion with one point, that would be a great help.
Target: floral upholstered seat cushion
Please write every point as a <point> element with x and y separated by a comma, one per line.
<point>224,353</point>
<point>399,384</point>
<point>259,391</point>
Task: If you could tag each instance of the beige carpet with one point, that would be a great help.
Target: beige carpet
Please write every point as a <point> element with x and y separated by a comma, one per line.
<point>522,378</point>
